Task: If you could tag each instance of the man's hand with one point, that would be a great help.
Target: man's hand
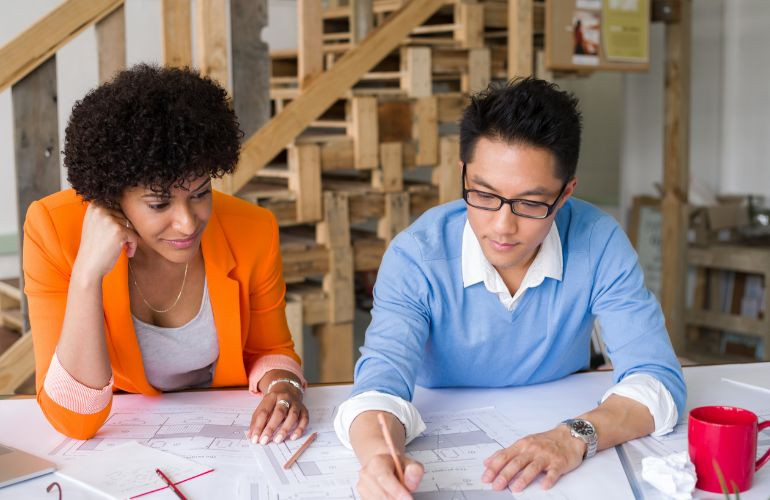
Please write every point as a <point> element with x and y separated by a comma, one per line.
<point>378,479</point>
<point>554,452</point>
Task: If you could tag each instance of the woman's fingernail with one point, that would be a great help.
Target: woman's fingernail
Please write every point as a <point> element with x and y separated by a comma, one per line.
<point>263,440</point>
<point>254,439</point>
<point>294,436</point>
<point>278,438</point>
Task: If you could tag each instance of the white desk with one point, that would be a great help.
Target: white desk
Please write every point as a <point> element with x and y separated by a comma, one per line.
<point>534,408</point>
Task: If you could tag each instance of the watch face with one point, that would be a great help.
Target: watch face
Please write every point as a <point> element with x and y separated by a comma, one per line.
<point>582,427</point>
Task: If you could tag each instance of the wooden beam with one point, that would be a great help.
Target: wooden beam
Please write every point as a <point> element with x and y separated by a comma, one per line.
<point>17,364</point>
<point>361,19</point>
<point>425,128</point>
<point>36,140</point>
<point>389,178</point>
<point>416,71</point>
<point>305,181</point>
<point>396,217</point>
<point>211,40</point>
<point>334,232</point>
<point>40,41</point>
<point>177,33</point>
<point>479,72</point>
<point>294,317</point>
<point>520,38</point>
<point>469,25</point>
<point>447,174</point>
<point>251,64</point>
<point>111,43</point>
<point>330,86</point>
<point>310,41</point>
<point>362,119</point>
<point>676,173</point>
<point>336,352</point>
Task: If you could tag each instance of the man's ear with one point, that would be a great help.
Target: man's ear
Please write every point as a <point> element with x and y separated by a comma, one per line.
<point>571,185</point>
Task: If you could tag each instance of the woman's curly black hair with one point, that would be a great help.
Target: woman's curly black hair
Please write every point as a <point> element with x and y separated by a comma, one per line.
<point>150,126</point>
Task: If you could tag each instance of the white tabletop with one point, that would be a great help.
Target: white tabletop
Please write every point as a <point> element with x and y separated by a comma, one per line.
<point>533,408</point>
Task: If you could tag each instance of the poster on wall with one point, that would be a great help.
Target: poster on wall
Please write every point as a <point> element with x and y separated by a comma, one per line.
<point>626,31</point>
<point>597,35</point>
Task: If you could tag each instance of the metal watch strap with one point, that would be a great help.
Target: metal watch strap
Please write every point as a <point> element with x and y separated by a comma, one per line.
<point>591,439</point>
<point>293,382</point>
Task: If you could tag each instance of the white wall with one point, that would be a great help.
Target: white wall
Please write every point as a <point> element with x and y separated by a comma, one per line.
<point>729,105</point>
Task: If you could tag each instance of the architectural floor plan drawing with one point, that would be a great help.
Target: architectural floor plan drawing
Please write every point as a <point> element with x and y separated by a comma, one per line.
<point>452,450</point>
<point>211,435</point>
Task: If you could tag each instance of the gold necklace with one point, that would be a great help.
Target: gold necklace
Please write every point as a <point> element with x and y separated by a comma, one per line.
<point>160,311</point>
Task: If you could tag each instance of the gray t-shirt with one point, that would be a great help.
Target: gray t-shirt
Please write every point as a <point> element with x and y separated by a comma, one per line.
<point>181,357</point>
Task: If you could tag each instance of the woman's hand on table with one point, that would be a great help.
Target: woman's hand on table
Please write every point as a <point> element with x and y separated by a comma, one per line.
<point>279,415</point>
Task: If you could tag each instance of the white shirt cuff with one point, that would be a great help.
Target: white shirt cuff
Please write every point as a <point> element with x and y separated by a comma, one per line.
<point>650,392</point>
<point>403,410</point>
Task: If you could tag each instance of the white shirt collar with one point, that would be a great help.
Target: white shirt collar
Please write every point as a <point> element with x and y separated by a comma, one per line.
<point>476,268</point>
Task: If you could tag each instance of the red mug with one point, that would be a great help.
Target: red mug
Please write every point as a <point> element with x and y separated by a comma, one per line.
<point>726,436</point>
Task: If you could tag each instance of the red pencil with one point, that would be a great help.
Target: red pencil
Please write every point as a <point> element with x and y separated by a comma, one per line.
<point>391,447</point>
<point>170,484</point>
<point>299,451</point>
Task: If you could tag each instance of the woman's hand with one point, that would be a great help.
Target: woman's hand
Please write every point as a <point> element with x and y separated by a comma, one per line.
<point>280,413</point>
<point>105,233</point>
<point>378,479</point>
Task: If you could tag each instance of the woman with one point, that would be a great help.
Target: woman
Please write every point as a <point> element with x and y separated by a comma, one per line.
<point>140,277</point>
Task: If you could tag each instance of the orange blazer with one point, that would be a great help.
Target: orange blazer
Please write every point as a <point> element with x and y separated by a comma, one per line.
<point>243,268</point>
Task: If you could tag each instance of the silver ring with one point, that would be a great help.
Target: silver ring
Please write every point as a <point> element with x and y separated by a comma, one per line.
<point>128,225</point>
<point>284,403</point>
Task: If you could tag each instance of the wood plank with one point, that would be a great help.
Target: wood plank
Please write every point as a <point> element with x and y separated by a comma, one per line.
<point>35,45</point>
<point>251,64</point>
<point>520,38</point>
<point>305,181</point>
<point>331,85</point>
<point>310,34</point>
<point>394,120</point>
<point>416,71</point>
<point>111,43</point>
<point>361,19</point>
<point>294,319</point>
<point>36,140</point>
<point>676,173</point>
<point>389,178</point>
<point>728,322</point>
<point>211,40</point>
<point>177,33</point>
<point>451,107</point>
<point>334,231</point>
<point>447,174</point>
<point>425,119</point>
<point>469,22</point>
<point>479,72</point>
<point>731,257</point>
<point>17,364</point>
<point>367,253</point>
<point>300,265</point>
<point>336,352</point>
<point>396,216</point>
<point>363,129</point>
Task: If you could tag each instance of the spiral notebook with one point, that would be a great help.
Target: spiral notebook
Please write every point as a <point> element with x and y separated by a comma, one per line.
<point>128,471</point>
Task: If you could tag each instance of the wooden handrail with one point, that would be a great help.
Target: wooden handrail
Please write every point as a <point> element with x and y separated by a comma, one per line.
<point>326,88</point>
<point>37,43</point>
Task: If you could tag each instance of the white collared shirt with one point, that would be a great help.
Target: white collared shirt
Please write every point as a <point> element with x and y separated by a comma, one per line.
<point>548,263</point>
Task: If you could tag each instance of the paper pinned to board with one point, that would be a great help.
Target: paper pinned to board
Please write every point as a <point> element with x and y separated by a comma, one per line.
<point>128,470</point>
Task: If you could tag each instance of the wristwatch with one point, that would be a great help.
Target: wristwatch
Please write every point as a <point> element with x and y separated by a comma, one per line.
<point>586,431</point>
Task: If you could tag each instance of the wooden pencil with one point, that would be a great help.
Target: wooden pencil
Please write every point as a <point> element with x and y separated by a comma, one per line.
<point>300,450</point>
<point>389,441</point>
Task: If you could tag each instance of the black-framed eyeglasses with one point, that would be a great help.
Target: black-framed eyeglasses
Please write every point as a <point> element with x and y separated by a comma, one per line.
<point>523,208</point>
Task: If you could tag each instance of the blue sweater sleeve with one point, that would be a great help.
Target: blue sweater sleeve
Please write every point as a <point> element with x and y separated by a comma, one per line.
<point>632,323</point>
<point>396,337</point>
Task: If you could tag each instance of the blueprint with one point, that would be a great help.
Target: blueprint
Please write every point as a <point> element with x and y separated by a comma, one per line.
<point>209,434</point>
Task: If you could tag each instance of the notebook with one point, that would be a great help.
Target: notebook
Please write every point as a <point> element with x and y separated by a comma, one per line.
<point>17,465</point>
<point>128,471</point>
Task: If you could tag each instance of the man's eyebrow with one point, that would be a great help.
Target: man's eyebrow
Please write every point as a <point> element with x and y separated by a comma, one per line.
<point>537,191</point>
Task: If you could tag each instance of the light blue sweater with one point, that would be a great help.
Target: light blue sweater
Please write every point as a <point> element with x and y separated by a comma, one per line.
<point>428,329</point>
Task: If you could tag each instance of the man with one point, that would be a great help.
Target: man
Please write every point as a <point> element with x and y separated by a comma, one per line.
<point>502,289</point>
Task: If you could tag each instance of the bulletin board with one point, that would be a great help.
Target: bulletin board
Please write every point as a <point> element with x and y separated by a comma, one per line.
<point>593,35</point>
<point>644,231</point>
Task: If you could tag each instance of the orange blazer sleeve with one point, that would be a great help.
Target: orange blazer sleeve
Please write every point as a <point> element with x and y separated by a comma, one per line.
<point>268,329</point>
<point>47,271</point>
